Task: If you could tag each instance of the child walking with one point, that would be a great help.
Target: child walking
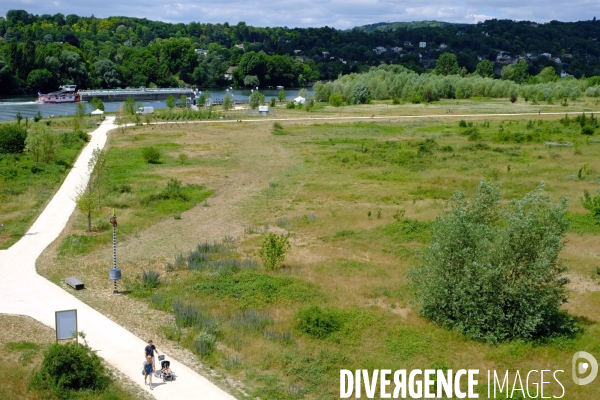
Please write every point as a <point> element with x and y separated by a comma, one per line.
<point>148,370</point>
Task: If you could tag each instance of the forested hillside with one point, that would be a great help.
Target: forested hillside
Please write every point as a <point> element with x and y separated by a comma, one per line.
<point>40,52</point>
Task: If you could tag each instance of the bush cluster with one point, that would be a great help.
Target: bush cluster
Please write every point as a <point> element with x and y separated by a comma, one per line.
<point>12,138</point>
<point>492,271</point>
<point>317,322</point>
<point>69,368</point>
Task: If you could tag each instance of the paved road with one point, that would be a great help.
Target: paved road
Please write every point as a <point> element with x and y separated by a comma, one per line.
<point>24,292</point>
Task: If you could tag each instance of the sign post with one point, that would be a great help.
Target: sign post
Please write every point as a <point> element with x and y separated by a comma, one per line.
<point>66,325</point>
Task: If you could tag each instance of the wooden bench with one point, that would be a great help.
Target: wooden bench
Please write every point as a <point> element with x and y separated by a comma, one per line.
<point>74,283</point>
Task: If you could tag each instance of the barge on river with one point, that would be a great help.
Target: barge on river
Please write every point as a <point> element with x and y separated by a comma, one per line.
<point>66,94</point>
<point>141,94</point>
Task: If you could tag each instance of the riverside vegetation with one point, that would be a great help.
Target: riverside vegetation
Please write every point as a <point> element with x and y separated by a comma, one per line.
<point>359,201</point>
<point>34,159</point>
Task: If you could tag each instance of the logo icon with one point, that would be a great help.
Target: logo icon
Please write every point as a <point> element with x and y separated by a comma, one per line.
<point>582,367</point>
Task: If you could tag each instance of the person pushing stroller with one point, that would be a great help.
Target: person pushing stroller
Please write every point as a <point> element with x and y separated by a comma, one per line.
<point>149,352</point>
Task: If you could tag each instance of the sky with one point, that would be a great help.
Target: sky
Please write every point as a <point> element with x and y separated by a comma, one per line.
<point>340,14</point>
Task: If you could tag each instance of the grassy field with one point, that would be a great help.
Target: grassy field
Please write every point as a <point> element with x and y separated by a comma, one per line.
<point>22,345</point>
<point>26,185</point>
<point>359,199</point>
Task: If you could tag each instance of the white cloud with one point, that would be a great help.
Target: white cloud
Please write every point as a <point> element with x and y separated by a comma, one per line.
<point>341,14</point>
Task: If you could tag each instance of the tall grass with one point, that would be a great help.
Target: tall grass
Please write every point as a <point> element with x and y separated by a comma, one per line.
<point>250,320</point>
<point>216,257</point>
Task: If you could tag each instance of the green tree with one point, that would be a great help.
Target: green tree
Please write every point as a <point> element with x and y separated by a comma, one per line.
<point>41,143</point>
<point>228,102</point>
<point>446,64</point>
<point>592,203</point>
<point>69,368</point>
<point>485,69</point>
<point>548,74</point>
<point>273,249</point>
<point>170,102</point>
<point>517,72</point>
<point>40,80</point>
<point>130,106</point>
<point>336,99</point>
<point>87,202</point>
<point>360,94</point>
<point>251,80</point>
<point>80,110</point>
<point>281,95</point>
<point>492,271</point>
<point>12,138</point>
<point>98,172</point>
<point>107,73</point>
<point>183,101</point>
<point>97,104</point>
<point>256,99</point>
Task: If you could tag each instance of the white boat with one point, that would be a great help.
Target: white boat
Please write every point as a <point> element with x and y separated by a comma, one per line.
<point>67,94</point>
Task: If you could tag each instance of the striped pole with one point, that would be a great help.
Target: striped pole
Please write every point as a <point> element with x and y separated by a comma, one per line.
<point>115,254</point>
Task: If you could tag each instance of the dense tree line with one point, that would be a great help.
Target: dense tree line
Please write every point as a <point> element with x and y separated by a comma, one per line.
<point>401,84</point>
<point>40,52</point>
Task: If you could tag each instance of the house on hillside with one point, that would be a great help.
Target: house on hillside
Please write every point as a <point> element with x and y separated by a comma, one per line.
<point>396,49</point>
<point>325,54</point>
<point>563,74</point>
<point>201,52</point>
<point>443,45</point>
<point>546,55</point>
<point>240,46</point>
<point>229,73</point>
<point>297,51</point>
<point>407,43</point>
<point>567,55</point>
<point>422,45</point>
<point>379,50</point>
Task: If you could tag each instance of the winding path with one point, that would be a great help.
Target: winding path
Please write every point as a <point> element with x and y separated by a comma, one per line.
<point>24,292</point>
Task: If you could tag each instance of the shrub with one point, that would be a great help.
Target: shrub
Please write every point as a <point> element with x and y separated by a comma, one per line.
<point>151,155</point>
<point>183,158</point>
<point>150,279</point>
<point>71,367</point>
<point>587,130</point>
<point>360,94</point>
<point>592,204</point>
<point>290,105</point>
<point>473,134</point>
<point>336,99</point>
<point>462,123</point>
<point>513,98</point>
<point>492,272</point>
<point>317,322</point>
<point>272,251</point>
<point>204,344</point>
<point>12,138</point>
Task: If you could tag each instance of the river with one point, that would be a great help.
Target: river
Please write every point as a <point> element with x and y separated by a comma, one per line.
<point>27,106</point>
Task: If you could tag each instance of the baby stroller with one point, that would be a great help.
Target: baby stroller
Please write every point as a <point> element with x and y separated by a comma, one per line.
<point>165,369</point>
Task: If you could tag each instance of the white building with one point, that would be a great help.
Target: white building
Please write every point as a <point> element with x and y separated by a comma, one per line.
<point>422,44</point>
